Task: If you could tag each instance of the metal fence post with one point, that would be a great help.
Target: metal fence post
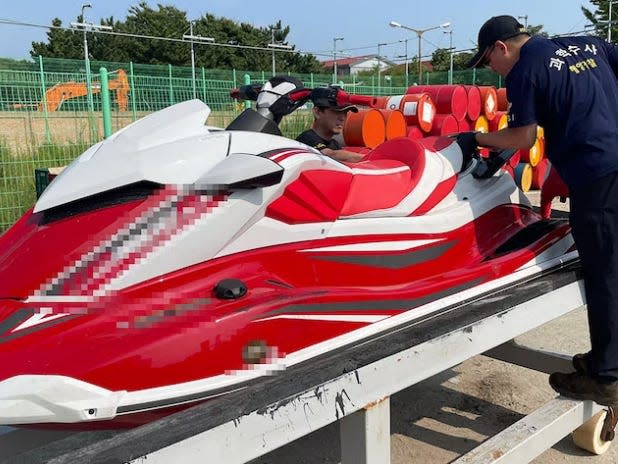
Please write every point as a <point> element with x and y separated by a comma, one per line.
<point>247,81</point>
<point>312,84</point>
<point>44,91</point>
<point>233,77</point>
<point>169,66</point>
<point>204,83</point>
<point>105,103</point>
<point>133,91</point>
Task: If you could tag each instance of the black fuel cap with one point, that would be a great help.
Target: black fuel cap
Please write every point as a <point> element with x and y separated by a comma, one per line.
<point>230,289</point>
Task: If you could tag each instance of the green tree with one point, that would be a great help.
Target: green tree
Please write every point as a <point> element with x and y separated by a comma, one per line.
<point>131,41</point>
<point>61,43</point>
<point>599,18</point>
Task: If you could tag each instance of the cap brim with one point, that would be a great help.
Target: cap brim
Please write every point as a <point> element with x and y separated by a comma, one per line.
<point>351,108</point>
<point>477,59</point>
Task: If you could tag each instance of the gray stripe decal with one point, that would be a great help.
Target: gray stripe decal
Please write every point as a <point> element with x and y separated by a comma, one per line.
<point>372,305</point>
<point>20,316</point>
<point>392,261</point>
<point>148,222</point>
<point>178,310</point>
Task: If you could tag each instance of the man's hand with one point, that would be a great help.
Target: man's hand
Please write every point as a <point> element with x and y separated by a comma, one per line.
<point>467,142</point>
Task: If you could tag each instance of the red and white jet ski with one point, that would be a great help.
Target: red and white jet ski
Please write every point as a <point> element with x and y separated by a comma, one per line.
<point>175,262</point>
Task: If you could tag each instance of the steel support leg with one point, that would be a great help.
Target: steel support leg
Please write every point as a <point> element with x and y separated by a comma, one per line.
<point>365,435</point>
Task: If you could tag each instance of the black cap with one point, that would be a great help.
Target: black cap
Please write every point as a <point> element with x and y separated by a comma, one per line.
<point>326,97</point>
<point>497,28</point>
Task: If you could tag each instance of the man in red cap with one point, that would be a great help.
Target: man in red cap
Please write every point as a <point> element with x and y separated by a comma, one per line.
<point>328,120</point>
<point>568,85</point>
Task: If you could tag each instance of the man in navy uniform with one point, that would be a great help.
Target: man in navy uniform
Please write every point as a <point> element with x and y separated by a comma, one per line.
<point>568,86</point>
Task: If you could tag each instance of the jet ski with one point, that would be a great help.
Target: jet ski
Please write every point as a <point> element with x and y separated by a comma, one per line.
<point>175,261</point>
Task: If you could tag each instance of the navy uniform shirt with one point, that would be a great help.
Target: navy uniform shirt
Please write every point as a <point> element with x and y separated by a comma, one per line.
<point>568,86</point>
<point>311,138</point>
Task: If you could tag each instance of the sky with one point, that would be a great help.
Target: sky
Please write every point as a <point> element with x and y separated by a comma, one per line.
<point>363,24</point>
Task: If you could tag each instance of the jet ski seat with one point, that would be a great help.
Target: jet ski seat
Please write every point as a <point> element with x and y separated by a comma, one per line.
<point>384,177</point>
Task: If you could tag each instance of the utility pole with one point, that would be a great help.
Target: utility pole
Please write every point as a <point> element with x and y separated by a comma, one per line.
<point>380,66</point>
<point>450,50</point>
<point>195,38</point>
<point>525,18</point>
<point>335,39</point>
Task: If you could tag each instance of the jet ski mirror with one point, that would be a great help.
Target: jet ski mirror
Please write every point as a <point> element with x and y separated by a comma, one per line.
<point>487,167</point>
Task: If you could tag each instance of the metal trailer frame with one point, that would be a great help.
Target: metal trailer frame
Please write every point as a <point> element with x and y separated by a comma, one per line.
<point>354,385</point>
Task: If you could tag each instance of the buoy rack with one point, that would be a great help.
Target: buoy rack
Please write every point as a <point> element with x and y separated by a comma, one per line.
<point>353,386</point>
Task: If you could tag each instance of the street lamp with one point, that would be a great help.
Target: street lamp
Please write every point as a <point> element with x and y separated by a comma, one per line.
<point>195,38</point>
<point>86,27</point>
<point>419,33</point>
<point>450,50</point>
<point>335,39</point>
<point>380,65</point>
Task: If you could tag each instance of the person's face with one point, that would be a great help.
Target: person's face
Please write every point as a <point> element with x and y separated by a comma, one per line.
<point>500,58</point>
<point>330,121</point>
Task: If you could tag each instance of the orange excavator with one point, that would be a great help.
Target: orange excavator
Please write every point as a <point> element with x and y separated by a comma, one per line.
<point>59,93</point>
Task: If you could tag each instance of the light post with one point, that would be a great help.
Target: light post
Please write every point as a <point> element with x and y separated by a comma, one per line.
<point>85,27</point>
<point>525,18</point>
<point>450,50</point>
<point>195,38</point>
<point>335,39</point>
<point>419,33</point>
<point>406,58</point>
<point>380,65</point>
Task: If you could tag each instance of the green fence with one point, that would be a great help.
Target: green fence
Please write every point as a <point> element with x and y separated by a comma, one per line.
<point>46,119</point>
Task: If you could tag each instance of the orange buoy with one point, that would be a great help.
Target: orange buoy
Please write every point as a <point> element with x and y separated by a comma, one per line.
<point>481,124</point>
<point>474,101</point>
<point>503,103</point>
<point>365,128</point>
<point>489,101</point>
<point>444,124</point>
<point>448,99</point>
<point>418,109</point>
<point>394,124</point>
<point>533,154</point>
<point>523,176</point>
<point>540,173</point>
<point>500,121</point>
<point>415,133</point>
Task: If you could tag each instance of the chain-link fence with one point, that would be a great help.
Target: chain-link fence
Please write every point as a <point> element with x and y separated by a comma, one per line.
<point>49,114</point>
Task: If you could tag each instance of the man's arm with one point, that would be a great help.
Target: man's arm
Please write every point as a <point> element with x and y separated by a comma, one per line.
<point>342,155</point>
<point>509,137</point>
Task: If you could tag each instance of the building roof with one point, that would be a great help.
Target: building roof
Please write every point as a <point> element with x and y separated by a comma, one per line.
<point>351,61</point>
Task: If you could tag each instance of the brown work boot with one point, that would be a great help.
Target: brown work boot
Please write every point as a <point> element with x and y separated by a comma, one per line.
<point>580,386</point>
<point>579,363</point>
